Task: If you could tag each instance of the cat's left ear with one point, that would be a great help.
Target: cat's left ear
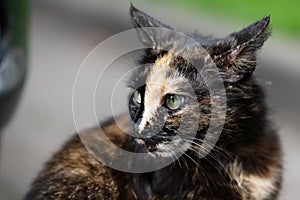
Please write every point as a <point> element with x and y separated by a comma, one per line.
<point>235,55</point>
<point>141,21</point>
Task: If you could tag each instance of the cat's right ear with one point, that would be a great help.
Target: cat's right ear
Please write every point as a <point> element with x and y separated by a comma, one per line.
<point>149,36</point>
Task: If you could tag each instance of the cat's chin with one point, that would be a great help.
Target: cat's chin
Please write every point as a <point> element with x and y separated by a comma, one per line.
<point>172,149</point>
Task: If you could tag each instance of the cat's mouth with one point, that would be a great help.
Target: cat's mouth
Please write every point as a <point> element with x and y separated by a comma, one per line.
<point>160,146</point>
<point>151,144</point>
<point>148,144</point>
<point>151,148</point>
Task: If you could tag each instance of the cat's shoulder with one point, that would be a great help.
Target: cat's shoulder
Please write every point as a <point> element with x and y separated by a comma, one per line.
<point>74,172</point>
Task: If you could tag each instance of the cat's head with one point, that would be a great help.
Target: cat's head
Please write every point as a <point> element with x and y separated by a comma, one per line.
<point>169,93</point>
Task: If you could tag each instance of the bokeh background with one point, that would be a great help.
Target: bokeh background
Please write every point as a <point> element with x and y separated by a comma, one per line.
<point>61,33</point>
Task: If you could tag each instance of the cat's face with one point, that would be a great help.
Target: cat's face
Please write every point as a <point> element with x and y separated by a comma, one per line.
<point>164,106</point>
<point>170,101</point>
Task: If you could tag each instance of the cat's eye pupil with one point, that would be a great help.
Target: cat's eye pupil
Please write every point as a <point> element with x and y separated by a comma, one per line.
<point>173,102</point>
<point>137,97</point>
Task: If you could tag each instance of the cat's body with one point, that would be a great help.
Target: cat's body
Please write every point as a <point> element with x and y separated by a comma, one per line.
<point>246,162</point>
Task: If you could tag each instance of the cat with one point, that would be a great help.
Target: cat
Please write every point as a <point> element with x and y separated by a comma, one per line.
<point>245,162</point>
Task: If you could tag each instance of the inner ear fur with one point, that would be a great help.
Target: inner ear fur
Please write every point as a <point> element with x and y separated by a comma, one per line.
<point>235,55</point>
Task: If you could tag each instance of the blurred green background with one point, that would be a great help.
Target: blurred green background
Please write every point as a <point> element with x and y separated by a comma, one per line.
<point>285,14</point>
<point>18,18</point>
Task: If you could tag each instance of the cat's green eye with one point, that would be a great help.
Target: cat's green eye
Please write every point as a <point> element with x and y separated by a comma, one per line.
<point>173,101</point>
<point>137,97</point>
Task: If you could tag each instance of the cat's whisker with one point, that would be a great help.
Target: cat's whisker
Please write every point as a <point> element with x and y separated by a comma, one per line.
<point>210,155</point>
<point>184,161</point>
<point>174,153</point>
<point>206,176</point>
<point>218,170</point>
<point>215,147</point>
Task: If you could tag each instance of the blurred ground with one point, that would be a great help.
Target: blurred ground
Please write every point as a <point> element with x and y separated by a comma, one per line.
<point>59,41</point>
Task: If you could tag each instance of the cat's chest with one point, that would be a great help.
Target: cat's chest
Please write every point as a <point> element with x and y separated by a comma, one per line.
<point>176,183</point>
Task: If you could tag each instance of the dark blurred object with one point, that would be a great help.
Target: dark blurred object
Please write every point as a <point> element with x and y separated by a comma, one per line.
<point>13,21</point>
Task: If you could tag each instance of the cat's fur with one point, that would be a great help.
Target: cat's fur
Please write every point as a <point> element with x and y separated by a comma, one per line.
<point>246,163</point>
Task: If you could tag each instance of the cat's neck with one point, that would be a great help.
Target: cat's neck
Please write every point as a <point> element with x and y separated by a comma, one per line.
<point>182,175</point>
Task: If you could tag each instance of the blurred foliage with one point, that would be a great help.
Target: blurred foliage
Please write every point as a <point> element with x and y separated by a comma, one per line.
<point>285,14</point>
<point>18,21</point>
